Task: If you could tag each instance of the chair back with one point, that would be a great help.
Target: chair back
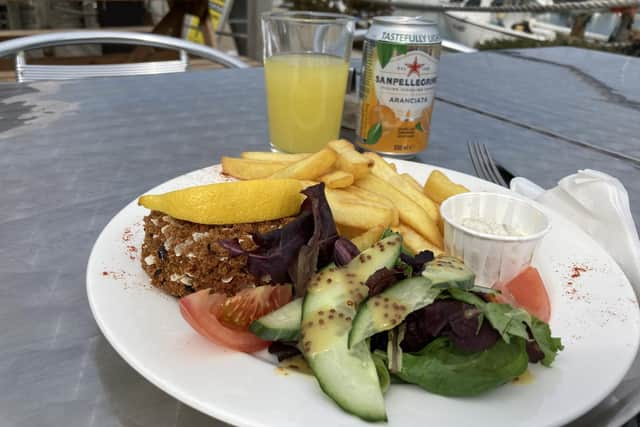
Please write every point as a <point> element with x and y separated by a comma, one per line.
<point>29,72</point>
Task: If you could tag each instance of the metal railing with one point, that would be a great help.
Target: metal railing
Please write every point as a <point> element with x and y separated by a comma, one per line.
<point>590,5</point>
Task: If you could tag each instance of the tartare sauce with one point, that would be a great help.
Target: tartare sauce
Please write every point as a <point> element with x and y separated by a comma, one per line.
<point>489,227</point>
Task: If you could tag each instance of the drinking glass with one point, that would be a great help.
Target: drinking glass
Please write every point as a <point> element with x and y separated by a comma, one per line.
<point>306,64</point>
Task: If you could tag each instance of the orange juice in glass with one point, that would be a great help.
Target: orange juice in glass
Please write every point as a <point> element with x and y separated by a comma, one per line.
<point>306,62</point>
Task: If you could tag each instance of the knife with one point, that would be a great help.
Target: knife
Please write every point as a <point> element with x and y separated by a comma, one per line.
<point>520,184</point>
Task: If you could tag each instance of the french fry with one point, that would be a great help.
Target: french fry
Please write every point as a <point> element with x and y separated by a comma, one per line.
<point>250,169</point>
<point>349,232</point>
<point>350,160</point>
<point>350,211</point>
<point>269,156</point>
<point>311,167</point>
<point>337,179</point>
<point>377,199</point>
<point>414,241</point>
<point>358,215</point>
<point>371,199</point>
<point>411,181</point>
<point>410,212</point>
<point>382,170</point>
<point>439,187</point>
<point>368,238</point>
<point>346,196</point>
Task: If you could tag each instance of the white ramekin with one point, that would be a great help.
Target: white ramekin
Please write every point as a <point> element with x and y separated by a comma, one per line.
<point>494,259</point>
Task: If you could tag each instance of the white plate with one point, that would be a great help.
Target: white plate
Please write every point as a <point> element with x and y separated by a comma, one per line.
<point>596,315</point>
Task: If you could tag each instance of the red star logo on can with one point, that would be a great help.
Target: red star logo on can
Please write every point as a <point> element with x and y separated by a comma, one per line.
<point>414,67</point>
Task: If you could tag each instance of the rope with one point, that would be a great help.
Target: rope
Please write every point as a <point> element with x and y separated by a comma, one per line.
<point>534,7</point>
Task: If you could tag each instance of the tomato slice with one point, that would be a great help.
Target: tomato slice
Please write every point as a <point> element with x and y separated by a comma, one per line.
<point>527,291</point>
<point>250,304</point>
<point>225,320</point>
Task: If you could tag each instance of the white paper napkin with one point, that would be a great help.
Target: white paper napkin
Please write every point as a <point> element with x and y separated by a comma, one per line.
<point>599,204</point>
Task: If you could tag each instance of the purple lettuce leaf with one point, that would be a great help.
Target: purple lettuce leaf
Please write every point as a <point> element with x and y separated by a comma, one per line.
<point>459,321</point>
<point>382,279</point>
<point>319,249</point>
<point>417,261</point>
<point>284,350</point>
<point>273,238</point>
<point>465,333</point>
<point>534,352</point>
<point>344,251</point>
<point>292,253</point>
<point>425,324</point>
<point>276,251</point>
<point>305,259</point>
<point>379,341</point>
<point>233,247</point>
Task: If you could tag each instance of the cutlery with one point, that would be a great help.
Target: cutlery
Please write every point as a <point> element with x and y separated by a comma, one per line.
<point>484,165</point>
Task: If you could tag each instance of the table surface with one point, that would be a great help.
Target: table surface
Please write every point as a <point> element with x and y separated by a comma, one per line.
<point>75,152</point>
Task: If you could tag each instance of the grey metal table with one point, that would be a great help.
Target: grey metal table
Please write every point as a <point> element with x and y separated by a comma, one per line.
<point>73,153</point>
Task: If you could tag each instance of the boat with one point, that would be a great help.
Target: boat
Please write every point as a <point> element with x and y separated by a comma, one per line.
<point>473,28</point>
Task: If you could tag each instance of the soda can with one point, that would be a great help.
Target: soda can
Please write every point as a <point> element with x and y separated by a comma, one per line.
<point>397,85</point>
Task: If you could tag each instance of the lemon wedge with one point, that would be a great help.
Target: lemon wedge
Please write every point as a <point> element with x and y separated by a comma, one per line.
<point>230,202</point>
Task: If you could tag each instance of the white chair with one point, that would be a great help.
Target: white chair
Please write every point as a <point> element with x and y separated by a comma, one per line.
<point>28,72</point>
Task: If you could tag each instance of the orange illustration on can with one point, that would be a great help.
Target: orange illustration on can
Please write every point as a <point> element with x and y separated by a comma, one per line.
<point>397,87</point>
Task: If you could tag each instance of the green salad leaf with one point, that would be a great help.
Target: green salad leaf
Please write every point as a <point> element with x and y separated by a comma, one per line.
<point>386,233</point>
<point>407,270</point>
<point>382,371</point>
<point>442,368</point>
<point>507,320</point>
<point>484,290</point>
<point>513,322</point>
<point>467,297</point>
<point>548,344</point>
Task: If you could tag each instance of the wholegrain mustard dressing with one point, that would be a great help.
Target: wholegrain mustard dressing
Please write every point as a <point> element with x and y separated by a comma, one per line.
<point>328,322</point>
<point>387,312</point>
<point>295,364</point>
<point>526,378</point>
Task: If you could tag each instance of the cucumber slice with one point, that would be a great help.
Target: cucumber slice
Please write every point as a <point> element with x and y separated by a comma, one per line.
<point>282,324</point>
<point>449,271</point>
<point>347,375</point>
<point>388,309</point>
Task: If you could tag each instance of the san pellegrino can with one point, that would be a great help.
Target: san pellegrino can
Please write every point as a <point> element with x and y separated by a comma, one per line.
<point>397,86</point>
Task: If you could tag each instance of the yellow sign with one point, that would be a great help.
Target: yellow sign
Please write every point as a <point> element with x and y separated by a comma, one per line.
<point>216,9</point>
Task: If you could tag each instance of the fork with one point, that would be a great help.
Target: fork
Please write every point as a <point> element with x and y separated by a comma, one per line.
<point>484,165</point>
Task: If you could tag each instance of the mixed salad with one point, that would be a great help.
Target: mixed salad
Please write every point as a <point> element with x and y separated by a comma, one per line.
<point>360,319</point>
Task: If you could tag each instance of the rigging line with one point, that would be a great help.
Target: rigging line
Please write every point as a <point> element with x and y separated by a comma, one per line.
<point>535,7</point>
